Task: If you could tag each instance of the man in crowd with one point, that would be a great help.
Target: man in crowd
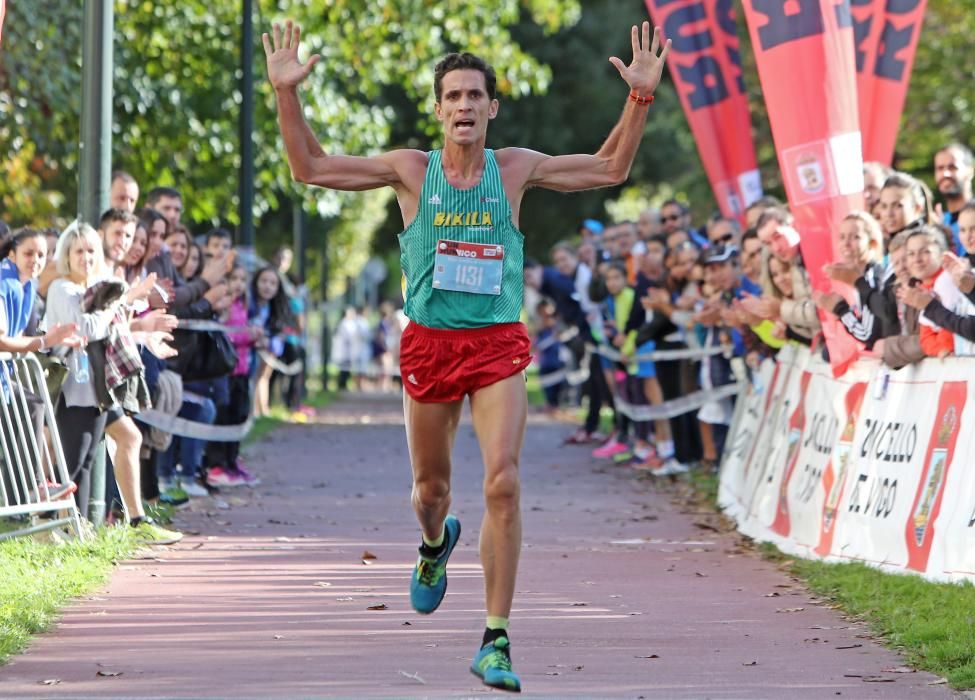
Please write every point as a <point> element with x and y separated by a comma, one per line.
<point>124,192</point>
<point>168,202</point>
<point>953,173</point>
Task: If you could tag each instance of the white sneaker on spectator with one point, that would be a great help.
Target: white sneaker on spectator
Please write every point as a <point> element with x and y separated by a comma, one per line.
<point>193,489</point>
<point>670,467</point>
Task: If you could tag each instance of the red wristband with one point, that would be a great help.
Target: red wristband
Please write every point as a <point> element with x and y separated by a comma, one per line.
<point>641,100</point>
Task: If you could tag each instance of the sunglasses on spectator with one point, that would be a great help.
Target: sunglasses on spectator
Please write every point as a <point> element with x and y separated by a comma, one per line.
<point>727,238</point>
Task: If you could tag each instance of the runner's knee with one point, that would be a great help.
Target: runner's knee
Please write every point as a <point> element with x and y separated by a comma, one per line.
<point>502,488</point>
<point>431,491</point>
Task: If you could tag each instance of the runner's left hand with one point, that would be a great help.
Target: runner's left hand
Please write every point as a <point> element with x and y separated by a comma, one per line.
<point>644,72</point>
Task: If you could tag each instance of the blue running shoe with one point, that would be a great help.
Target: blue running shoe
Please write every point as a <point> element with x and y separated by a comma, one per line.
<point>429,583</point>
<point>492,664</point>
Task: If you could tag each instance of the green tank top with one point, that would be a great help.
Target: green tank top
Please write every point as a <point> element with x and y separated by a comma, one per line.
<point>462,256</point>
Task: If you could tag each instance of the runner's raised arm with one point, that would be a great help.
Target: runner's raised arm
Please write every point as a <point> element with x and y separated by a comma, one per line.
<point>308,160</point>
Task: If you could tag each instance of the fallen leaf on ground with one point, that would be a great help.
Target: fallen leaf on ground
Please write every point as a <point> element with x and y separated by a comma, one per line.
<point>750,663</point>
<point>900,669</point>
<point>789,610</point>
<point>940,681</point>
<point>648,656</point>
<point>698,573</point>
<point>50,681</point>
<point>413,676</point>
<point>380,606</point>
<point>851,646</point>
<point>368,555</point>
<point>110,674</point>
<point>706,526</point>
<point>579,605</point>
<point>407,624</point>
<point>877,679</point>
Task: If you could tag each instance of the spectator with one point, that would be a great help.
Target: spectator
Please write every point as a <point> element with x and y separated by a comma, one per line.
<point>294,348</point>
<point>218,243</point>
<point>755,210</point>
<point>874,177</point>
<point>723,230</point>
<point>953,173</point>
<point>649,225</point>
<point>168,202</point>
<point>751,262</point>
<point>902,205</point>
<point>81,262</point>
<point>271,311</point>
<point>225,467</point>
<point>548,351</point>
<point>194,263</point>
<point>124,192</point>
<point>135,261</point>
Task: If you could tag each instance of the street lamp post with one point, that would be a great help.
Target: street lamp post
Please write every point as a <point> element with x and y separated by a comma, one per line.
<point>246,211</point>
<point>96,110</point>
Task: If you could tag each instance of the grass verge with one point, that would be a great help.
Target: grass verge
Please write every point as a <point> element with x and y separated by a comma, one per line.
<point>37,578</point>
<point>931,624</point>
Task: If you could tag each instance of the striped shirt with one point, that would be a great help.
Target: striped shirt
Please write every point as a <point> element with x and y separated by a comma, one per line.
<point>479,215</point>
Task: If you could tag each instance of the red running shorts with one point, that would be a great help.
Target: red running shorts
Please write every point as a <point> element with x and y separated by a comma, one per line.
<point>441,365</point>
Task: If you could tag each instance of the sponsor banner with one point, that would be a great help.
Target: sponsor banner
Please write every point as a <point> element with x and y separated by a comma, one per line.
<point>805,59</point>
<point>886,36</point>
<point>705,63</point>
<point>869,467</point>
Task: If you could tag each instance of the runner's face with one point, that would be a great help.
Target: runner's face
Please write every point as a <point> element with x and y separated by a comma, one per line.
<point>464,107</point>
<point>966,230</point>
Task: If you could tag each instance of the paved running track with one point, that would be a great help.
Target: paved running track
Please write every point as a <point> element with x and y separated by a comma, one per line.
<point>624,591</point>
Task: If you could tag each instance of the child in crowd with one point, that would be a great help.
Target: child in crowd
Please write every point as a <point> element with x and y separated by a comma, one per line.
<point>270,310</point>
<point>548,350</point>
<point>225,466</point>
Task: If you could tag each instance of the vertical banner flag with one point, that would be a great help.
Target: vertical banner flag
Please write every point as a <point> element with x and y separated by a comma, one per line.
<point>804,52</point>
<point>705,63</point>
<point>886,35</point>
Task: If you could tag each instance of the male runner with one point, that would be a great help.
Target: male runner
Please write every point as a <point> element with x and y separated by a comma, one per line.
<point>462,257</point>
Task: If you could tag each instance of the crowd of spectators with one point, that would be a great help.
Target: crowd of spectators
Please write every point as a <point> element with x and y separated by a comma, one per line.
<point>617,293</point>
<point>111,309</point>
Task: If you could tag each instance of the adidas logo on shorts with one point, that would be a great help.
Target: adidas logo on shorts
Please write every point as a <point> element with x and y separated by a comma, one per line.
<point>412,380</point>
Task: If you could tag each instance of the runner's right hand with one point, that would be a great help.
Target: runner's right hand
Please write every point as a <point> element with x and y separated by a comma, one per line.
<point>284,70</point>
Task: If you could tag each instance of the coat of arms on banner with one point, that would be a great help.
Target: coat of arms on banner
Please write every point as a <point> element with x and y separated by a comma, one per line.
<point>936,474</point>
<point>809,172</point>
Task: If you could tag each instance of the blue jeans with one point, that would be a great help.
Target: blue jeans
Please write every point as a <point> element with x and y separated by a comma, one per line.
<point>190,451</point>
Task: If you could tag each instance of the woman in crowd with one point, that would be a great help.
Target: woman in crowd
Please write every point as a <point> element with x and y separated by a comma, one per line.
<point>194,262</point>
<point>81,263</point>
<point>271,311</point>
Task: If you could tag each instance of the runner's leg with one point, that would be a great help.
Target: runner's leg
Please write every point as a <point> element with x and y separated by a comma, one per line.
<point>430,431</point>
<point>499,412</point>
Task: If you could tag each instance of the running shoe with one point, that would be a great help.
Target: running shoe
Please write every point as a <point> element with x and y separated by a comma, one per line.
<point>611,448</point>
<point>429,583</point>
<point>221,476</point>
<point>193,488</point>
<point>244,473</point>
<point>174,496</point>
<point>670,467</point>
<point>579,437</point>
<point>492,664</point>
<point>148,532</point>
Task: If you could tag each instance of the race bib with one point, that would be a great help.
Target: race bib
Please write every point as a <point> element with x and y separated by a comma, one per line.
<point>468,267</point>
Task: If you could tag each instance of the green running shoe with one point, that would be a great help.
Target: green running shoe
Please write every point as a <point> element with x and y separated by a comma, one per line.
<point>148,532</point>
<point>492,664</point>
<point>429,583</point>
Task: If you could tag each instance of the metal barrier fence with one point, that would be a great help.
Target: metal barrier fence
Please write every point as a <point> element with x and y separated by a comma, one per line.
<point>35,493</point>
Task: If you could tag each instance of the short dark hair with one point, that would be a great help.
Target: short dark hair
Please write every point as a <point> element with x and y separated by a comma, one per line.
<point>684,209</point>
<point>219,233</point>
<point>749,234</point>
<point>148,216</point>
<point>157,193</point>
<point>464,61</point>
<point>11,240</point>
<point>112,215</point>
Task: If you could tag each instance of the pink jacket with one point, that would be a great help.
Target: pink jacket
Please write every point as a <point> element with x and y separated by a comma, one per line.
<point>237,316</point>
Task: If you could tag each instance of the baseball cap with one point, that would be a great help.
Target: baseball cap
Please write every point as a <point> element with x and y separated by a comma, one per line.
<point>593,225</point>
